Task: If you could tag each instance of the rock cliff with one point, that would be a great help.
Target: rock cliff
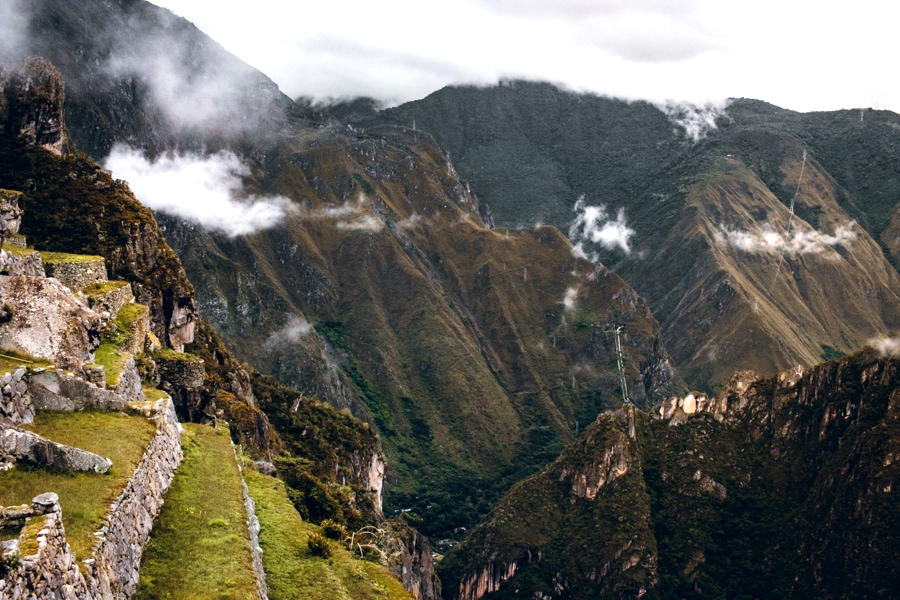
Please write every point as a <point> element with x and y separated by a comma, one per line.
<point>774,488</point>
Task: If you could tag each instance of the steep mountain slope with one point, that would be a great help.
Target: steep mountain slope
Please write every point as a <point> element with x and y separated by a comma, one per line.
<point>711,270</point>
<point>776,488</point>
<point>474,352</point>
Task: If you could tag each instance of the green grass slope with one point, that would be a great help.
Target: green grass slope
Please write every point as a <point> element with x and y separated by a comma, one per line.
<point>293,571</point>
<point>200,546</point>
<point>83,497</point>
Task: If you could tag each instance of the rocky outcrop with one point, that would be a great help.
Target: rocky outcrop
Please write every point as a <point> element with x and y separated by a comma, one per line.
<point>182,377</point>
<point>35,95</point>
<point>486,580</point>
<point>412,561</point>
<point>10,214</point>
<point>47,321</point>
<point>57,390</point>
<point>21,263</point>
<point>16,407</point>
<point>38,450</point>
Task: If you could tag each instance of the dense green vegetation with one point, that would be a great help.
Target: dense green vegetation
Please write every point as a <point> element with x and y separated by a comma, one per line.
<point>200,546</point>
<point>83,497</point>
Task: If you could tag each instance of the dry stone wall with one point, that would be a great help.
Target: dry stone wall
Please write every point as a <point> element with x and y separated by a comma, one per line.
<point>79,274</point>
<point>16,407</point>
<point>50,572</point>
<point>113,571</point>
<point>255,549</point>
<point>111,300</point>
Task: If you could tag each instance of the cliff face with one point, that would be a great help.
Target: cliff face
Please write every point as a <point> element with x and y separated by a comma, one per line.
<point>32,105</point>
<point>775,488</point>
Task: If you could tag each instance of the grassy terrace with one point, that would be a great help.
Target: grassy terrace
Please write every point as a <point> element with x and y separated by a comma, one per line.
<point>292,571</point>
<point>113,361</point>
<point>200,547</point>
<point>18,250</point>
<point>84,497</point>
<point>103,287</point>
<point>65,257</point>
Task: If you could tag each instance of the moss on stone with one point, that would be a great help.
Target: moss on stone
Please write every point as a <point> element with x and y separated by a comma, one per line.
<point>167,354</point>
<point>131,312</point>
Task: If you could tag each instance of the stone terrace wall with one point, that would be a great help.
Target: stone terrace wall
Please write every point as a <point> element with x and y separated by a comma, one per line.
<point>254,527</point>
<point>16,407</point>
<point>50,572</point>
<point>77,275</point>
<point>113,571</point>
<point>111,300</point>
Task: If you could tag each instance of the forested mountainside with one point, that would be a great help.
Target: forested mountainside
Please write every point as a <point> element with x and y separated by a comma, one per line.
<point>775,488</point>
<point>732,223</point>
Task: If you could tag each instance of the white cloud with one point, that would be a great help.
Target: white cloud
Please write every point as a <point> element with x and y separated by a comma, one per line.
<point>569,298</point>
<point>200,189</point>
<point>593,225</point>
<point>13,31</point>
<point>296,328</point>
<point>766,240</point>
<point>361,223</point>
<point>695,120</point>
<point>887,346</point>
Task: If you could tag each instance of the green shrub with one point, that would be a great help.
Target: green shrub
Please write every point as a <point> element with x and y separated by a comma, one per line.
<point>318,545</point>
<point>333,530</point>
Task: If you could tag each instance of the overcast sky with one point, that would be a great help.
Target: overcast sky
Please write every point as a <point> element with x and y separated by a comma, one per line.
<point>798,54</point>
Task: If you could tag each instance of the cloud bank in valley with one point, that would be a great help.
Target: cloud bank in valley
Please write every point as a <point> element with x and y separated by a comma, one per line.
<point>766,240</point>
<point>593,225</point>
<point>200,189</point>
